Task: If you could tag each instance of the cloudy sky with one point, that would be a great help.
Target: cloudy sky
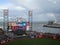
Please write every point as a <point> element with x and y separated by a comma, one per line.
<point>43,10</point>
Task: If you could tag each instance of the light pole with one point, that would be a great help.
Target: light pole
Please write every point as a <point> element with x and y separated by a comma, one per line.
<point>5,23</point>
<point>30,19</point>
<point>1,19</point>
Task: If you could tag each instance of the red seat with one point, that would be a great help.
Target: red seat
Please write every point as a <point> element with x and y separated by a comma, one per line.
<point>54,37</point>
<point>40,36</point>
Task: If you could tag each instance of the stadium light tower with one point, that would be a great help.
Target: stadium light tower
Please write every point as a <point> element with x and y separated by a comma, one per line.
<point>30,19</point>
<point>5,23</point>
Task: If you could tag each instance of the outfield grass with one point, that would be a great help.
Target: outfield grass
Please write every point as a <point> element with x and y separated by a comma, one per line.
<point>43,41</point>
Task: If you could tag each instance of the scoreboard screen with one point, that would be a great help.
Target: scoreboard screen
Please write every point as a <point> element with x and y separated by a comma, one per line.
<point>21,24</point>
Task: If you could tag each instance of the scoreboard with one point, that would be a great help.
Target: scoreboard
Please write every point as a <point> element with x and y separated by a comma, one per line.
<point>19,26</point>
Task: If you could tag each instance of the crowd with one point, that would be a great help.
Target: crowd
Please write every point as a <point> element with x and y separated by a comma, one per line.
<point>44,35</point>
<point>4,38</point>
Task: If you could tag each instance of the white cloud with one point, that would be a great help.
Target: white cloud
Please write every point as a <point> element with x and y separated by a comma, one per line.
<point>11,6</point>
<point>53,1</point>
<point>30,4</point>
<point>6,6</point>
<point>19,8</point>
<point>1,17</point>
<point>44,17</point>
<point>52,16</point>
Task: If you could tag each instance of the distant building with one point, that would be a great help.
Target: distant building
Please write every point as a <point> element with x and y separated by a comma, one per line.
<point>12,23</point>
<point>50,22</point>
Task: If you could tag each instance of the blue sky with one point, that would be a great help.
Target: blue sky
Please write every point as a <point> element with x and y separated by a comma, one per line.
<point>3,1</point>
<point>43,10</point>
